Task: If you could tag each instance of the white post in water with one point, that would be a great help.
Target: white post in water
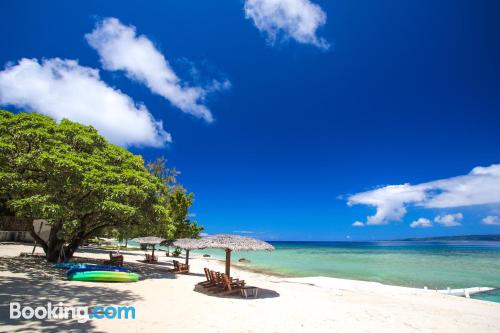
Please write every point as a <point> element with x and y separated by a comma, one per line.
<point>449,290</point>
<point>466,293</point>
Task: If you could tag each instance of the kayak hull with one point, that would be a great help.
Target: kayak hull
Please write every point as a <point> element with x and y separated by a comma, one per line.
<point>67,265</point>
<point>104,276</point>
<point>88,268</point>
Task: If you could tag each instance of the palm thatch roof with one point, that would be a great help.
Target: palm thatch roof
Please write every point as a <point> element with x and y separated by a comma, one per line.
<point>188,243</point>
<point>148,240</point>
<point>234,243</point>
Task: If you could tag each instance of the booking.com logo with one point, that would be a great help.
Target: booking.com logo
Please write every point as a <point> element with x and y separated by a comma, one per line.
<point>81,313</point>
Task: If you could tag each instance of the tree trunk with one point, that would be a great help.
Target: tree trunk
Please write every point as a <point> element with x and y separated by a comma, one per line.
<point>53,251</point>
<point>228,262</point>
<point>70,250</point>
<point>54,245</point>
<point>57,251</point>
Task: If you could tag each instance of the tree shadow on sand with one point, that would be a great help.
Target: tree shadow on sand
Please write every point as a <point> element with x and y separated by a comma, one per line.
<point>43,283</point>
<point>36,292</point>
<point>37,267</point>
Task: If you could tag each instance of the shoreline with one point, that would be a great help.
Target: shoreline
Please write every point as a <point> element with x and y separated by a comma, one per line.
<point>271,273</point>
<point>165,301</point>
<point>256,270</point>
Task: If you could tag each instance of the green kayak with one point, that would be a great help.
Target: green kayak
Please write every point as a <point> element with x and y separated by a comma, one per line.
<point>104,276</point>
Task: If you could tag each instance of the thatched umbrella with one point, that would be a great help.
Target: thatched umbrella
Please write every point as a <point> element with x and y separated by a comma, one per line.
<point>234,243</point>
<point>188,244</point>
<point>151,240</point>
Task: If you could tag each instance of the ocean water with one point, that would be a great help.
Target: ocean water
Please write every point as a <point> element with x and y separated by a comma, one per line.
<point>437,265</point>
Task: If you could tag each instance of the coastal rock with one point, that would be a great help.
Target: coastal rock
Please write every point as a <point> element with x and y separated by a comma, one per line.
<point>244,260</point>
<point>206,255</point>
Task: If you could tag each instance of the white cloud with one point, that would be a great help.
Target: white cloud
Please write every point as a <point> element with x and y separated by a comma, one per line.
<point>389,201</point>
<point>449,220</point>
<point>479,187</point>
<point>120,48</point>
<point>358,224</point>
<point>421,223</point>
<point>297,19</point>
<point>64,89</point>
<point>491,220</point>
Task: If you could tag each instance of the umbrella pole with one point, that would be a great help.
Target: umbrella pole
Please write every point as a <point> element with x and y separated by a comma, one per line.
<point>228,262</point>
<point>153,251</point>
<point>187,257</point>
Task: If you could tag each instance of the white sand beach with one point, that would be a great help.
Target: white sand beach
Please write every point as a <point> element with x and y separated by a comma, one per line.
<point>166,302</point>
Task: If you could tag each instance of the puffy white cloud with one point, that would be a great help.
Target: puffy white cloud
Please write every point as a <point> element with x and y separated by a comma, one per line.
<point>120,48</point>
<point>479,187</point>
<point>64,89</point>
<point>491,220</point>
<point>449,220</point>
<point>358,224</point>
<point>421,223</point>
<point>297,19</point>
<point>390,202</point>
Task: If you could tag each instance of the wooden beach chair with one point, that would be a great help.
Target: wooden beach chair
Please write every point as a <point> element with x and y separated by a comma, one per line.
<point>115,259</point>
<point>216,282</point>
<point>231,286</point>
<point>151,259</point>
<point>179,268</point>
<point>182,268</point>
<point>220,285</point>
<point>208,280</point>
<point>212,280</point>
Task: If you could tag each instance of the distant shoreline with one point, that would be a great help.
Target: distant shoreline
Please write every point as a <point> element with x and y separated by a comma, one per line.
<point>488,238</point>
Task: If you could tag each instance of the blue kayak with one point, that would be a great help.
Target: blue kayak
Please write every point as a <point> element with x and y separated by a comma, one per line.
<point>68,265</point>
<point>90,268</point>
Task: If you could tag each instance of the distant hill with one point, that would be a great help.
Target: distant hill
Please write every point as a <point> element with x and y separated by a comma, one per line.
<point>458,238</point>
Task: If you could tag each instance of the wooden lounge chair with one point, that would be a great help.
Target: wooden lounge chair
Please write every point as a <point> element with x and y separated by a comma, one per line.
<point>208,280</point>
<point>220,285</point>
<point>115,259</point>
<point>151,259</point>
<point>233,280</point>
<point>231,287</point>
<point>180,268</point>
<point>213,282</point>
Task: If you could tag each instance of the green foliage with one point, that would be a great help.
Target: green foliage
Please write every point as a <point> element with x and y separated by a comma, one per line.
<point>177,252</point>
<point>71,176</point>
<point>178,204</point>
<point>178,201</point>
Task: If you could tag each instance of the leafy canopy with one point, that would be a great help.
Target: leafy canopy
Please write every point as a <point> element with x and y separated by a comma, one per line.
<point>71,176</point>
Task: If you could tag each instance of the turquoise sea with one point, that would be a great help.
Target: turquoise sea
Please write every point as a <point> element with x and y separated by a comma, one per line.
<point>437,265</point>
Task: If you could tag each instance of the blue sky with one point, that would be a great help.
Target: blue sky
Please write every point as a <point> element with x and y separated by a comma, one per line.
<point>304,122</point>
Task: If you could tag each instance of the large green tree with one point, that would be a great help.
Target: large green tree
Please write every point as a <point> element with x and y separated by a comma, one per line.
<point>71,176</point>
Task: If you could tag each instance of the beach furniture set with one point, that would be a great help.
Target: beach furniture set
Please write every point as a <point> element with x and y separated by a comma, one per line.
<point>222,284</point>
<point>151,259</point>
<point>115,259</point>
<point>180,267</point>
